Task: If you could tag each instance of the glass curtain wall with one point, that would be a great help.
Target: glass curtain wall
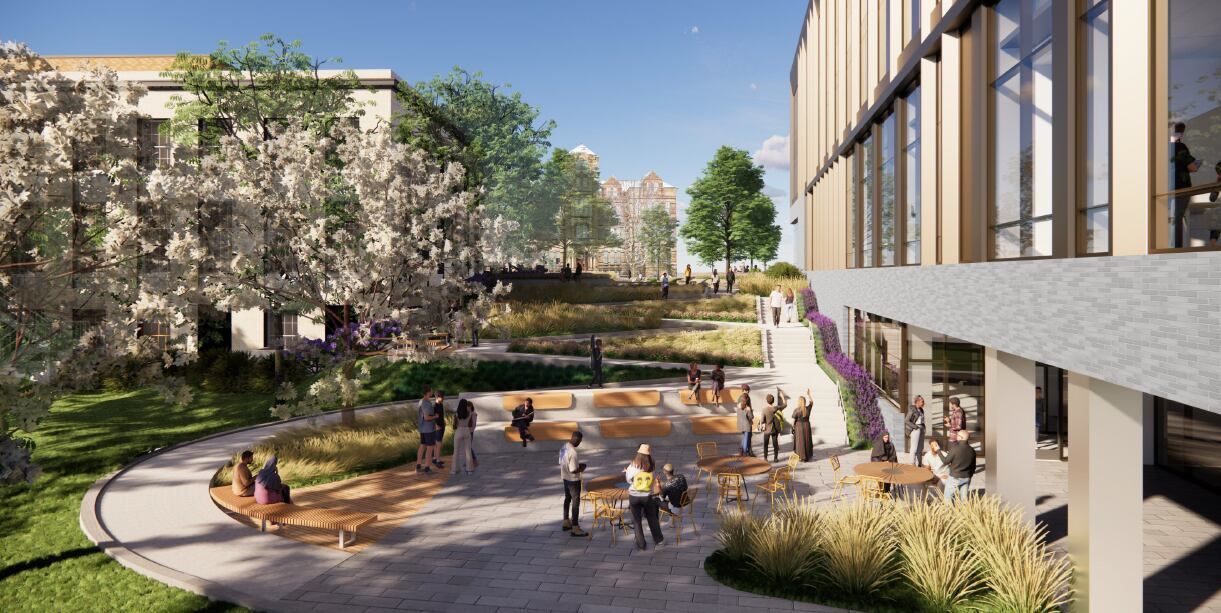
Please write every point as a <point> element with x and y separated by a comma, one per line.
<point>854,211</point>
<point>886,194</point>
<point>1095,209</point>
<point>911,177</point>
<point>1187,211</point>
<point>1188,441</point>
<point>942,367</point>
<point>866,199</point>
<point>878,345</point>
<point>1021,96</point>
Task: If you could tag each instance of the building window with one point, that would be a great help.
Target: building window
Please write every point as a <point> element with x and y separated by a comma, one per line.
<point>939,368</point>
<point>288,329</point>
<point>1188,441</point>
<point>155,150</point>
<point>854,211</point>
<point>1187,210</point>
<point>1021,92</point>
<point>911,21</point>
<point>878,344</point>
<point>911,177</point>
<point>886,193</point>
<point>866,199</point>
<point>157,330</point>
<point>273,330</point>
<point>1095,208</point>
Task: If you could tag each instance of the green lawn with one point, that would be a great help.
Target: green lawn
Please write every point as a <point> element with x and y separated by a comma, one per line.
<point>46,563</point>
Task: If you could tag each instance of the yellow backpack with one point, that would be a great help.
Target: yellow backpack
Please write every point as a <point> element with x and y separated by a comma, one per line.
<point>643,482</point>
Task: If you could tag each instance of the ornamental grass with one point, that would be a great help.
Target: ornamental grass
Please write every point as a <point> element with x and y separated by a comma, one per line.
<point>589,293</point>
<point>736,533</point>
<point>858,542</point>
<point>560,318</point>
<point>759,284</point>
<point>734,347</point>
<point>785,546</point>
<point>935,556</point>
<point>1019,571</point>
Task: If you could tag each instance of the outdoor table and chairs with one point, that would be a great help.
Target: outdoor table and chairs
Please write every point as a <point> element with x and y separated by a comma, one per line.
<point>874,476</point>
<point>731,472</point>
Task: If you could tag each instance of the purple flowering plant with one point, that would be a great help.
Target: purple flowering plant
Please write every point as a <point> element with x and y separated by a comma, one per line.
<point>864,405</point>
<point>318,354</point>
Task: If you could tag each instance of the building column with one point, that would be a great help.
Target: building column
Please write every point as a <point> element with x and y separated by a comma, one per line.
<point>1105,494</point>
<point>1009,435</point>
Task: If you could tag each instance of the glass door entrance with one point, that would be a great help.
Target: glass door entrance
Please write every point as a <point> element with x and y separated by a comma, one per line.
<point>1051,413</point>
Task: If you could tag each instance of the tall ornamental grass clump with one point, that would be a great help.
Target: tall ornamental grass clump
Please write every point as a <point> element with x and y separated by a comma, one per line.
<point>785,547</point>
<point>935,555</point>
<point>736,533</point>
<point>858,541</point>
<point>1019,572</point>
<point>760,284</point>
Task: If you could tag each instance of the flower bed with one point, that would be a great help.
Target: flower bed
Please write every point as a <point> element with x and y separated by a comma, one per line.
<point>862,415</point>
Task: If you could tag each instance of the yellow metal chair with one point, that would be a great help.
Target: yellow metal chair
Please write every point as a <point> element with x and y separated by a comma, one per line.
<point>794,460</point>
<point>777,483</point>
<point>686,510</point>
<point>873,488</point>
<point>587,498</point>
<point>840,482</point>
<point>729,484</point>
<point>605,511</point>
<point>703,451</point>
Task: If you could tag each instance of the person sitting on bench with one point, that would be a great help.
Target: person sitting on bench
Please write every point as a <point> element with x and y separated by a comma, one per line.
<point>243,481</point>
<point>522,416</point>
<point>268,489</point>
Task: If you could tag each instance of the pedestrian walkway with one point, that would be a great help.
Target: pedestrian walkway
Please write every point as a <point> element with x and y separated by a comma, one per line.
<point>789,349</point>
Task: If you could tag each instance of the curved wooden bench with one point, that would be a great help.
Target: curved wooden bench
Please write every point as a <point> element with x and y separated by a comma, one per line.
<point>640,427</point>
<point>544,401</point>
<point>715,424</point>
<point>545,431</point>
<point>293,514</point>
<point>729,395</point>
<point>626,398</point>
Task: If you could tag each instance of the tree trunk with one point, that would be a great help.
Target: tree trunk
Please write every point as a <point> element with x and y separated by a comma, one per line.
<point>347,416</point>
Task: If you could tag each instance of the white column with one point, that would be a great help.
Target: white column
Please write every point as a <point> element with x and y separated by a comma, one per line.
<point>1105,494</point>
<point>1009,442</point>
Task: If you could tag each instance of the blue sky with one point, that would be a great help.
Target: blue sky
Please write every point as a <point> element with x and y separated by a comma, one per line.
<point>646,85</point>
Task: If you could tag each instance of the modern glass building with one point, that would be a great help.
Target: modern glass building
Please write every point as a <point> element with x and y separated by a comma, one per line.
<point>1015,203</point>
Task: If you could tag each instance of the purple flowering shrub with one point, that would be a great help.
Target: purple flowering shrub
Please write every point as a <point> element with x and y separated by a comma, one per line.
<point>316,355</point>
<point>864,403</point>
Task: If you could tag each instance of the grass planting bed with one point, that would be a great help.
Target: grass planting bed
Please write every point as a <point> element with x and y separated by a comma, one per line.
<point>734,347</point>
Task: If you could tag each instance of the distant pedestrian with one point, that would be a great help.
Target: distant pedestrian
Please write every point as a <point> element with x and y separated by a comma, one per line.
<point>595,360</point>
<point>428,432</point>
<point>687,274</point>
<point>464,420</point>
<point>913,426</point>
<point>772,424</point>
<point>790,306</point>
<point>718,383</point>
<point>716,282</point>
<point>571,470</point>
<point>665,285</point>
<point>523,415</point>
<point>730,278</point>
<point>955,420</point>
<point>643,488</point>
<point>961,460</point>
<point>746,421</point>
<point>776,302</point>
<point>438,407</point>
<point>695,378</point>
<point>576,276</point>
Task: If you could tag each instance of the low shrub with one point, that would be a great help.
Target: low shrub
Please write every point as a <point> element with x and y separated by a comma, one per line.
<point>406,380</point>
<point>735,347</point>
<point>784,270</point>
<point>559,318</point>
<point>577,293</point>
<point>739,309</point>
<point>222,370</point>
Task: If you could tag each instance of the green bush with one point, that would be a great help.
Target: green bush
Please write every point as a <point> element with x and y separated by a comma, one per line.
<point>456,376</point>
<point>784,270</point>
<point>221,370</point>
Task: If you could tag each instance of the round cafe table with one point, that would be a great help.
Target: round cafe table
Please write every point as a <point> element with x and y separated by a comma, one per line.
<point>743,465</point>
<point>896,473</point>
<point>612,487</point>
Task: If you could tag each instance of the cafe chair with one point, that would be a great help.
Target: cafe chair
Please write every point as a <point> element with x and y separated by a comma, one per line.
<point>872,488</point>
<point>704,451</point>
<point>730,487</point>
<point>604,511</point>
<point>794,460</point>
<point>841,481</point>
<point>685,510</point>
<point>777,484</point>
<point>588,498</point>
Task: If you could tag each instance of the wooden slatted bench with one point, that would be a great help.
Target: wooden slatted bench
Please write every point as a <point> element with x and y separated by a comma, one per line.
<point>626,398</point>
<point>715,424</point>
<point>729,395</point>
<point>543,401</point>
<point>545,431</point>
<point>346,522</point>
<point>640,427</point>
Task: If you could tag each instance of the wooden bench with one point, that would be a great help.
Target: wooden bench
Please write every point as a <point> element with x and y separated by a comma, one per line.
<point>640,427</point>
<point>715,424</point>
<point>729,395</point>
<point>626,398</point>
<point>543,401</point>
<point>544,431</point>
<point>346,522</point>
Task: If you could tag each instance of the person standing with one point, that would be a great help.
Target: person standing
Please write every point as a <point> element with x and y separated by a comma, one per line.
<point>913,430</point>
<point>428,432</point>
<point>716,282</point>
<point>776,301</point>
<point>576,276</point>
<point>438,407</point>
<point>1182,165</point>
<point>773,423</point>
<point>718,383</point>
<point>803,436</point>
<point>961,460</point>
<point>665,285</point>
<point>595,360</point>
<point>730,277</point>
<point>790,305</point>
<point>687,274</point>
<point>523,415</point>
<point>695,378</point>
<point>642,492</point>
<point>463,428</point>
<point>955,420</point>
<point>746,422</point>
<point>571,470</point>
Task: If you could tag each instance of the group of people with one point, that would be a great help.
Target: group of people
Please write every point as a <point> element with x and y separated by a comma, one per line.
<point>953,466</point>
<point>266,487</point>
<point>713,284</point>
<point>771,423</point>
<point>782,300</point>
<point>432,424</point>
<point>646,491</point>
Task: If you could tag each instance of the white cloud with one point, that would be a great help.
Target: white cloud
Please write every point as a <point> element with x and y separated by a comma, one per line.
<point>773,192</point>
<point>774,153</point>
<point>695,29</point>
<point>754,87</point>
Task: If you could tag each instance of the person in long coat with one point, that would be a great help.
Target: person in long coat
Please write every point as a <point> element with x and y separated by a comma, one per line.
<point>803,435</point>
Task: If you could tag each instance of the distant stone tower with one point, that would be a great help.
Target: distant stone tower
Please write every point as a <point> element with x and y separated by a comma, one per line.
<point>587,155</point>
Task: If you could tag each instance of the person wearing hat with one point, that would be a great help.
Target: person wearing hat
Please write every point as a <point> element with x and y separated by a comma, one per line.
<point>746,421</point>
<point>642,496</point>
<point>672,487</point>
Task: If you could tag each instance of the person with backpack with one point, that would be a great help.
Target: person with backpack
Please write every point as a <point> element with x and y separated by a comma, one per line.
<point>772,424</point>
<point>463,427</point>
<point>571,470</point>
<point>523,416</point>
<point>642,492</point>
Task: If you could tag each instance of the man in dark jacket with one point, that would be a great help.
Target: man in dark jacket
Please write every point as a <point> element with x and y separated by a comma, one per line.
<point>913,430</point>
<point>884,450</point>
<point>961,462</point>
<point>595,360</point>
<point>522,416</point>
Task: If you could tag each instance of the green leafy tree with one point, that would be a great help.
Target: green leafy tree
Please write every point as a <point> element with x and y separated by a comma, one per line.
<point>719,223</point>
<point>495,134</point>
<point>763,234</point>
<point>581,221</point>
<point>658,235</point>
<point>249,92</point>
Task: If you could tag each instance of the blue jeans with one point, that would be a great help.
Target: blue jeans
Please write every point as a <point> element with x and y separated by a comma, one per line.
<point>746,442</point>
<point>956,487</point>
